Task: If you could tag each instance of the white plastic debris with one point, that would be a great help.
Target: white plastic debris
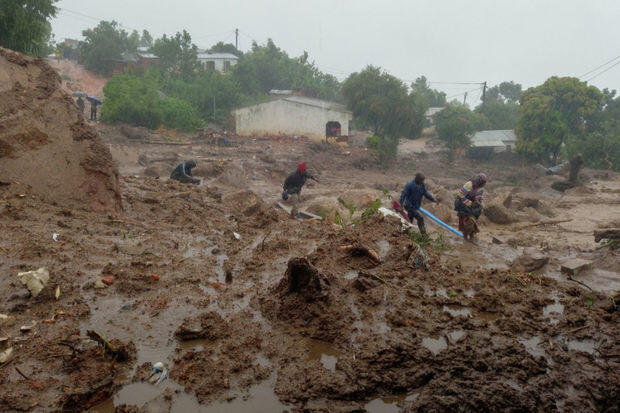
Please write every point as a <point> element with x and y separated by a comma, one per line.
<point>25,329</point>
<point>57,292</point>
<point>388,212</point>
<point>237,236</point>
<point>6,355</point>
<point>34,280</point>
<point>55,237</point>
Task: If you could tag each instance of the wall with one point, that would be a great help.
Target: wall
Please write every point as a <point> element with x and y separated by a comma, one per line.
<point>219,63</point>
<point>290,118</point>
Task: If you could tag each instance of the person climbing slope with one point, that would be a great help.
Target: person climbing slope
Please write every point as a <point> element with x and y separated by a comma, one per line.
<point>411,200</point>
<point>292,187</point>
<point>468,205</point>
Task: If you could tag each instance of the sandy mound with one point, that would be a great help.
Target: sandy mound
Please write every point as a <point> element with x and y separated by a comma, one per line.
<point>45,143</point>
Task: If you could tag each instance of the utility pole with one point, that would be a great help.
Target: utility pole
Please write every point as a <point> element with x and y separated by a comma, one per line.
<point>484,92</point>
<point>237,39</point>
<point>464,98</point>
<point>214,108</point>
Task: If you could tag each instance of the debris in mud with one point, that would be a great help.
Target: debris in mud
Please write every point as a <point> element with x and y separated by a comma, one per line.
<point>28,328</point>
<point>497,213</point>
<point>573,266</point>
<point>35,281</point>
<point>6,355</point>
<point>210,326</point>
<point>573,175</point>
<point>365,282</point>
<point>606,233</point>
<point>6,320</point>
<point>417,257</point>
<point>358,250</point>
<point>531,260</point>
<point>120,352</point>
<point>303,278</point>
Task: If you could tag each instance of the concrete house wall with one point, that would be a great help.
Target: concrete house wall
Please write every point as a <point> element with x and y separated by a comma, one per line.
<point>292,116</point>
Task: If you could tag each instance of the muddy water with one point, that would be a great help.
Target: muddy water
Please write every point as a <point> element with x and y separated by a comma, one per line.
<point>391,404</point>
<point>456,310</point>
<point>435,344</point>
<point>324,352</point>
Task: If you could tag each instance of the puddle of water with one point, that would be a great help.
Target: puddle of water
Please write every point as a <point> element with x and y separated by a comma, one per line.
<point>196,345</point>
<point>350,275</point>
<point>456,335</point>
<point>470,293</point>
<point>531,346</point>
<point>456,310</point>
<point>585,346</point>
<point>556,308</point>
<point>435,344</point>
<point>325,352</point>
<point>488,316</point>
<point>440,292</point>
<point>380,406</point>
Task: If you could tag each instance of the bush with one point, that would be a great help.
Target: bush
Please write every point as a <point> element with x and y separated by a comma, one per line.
<point>134,99</point>
<point>600,150</point>
<point>384,147</point>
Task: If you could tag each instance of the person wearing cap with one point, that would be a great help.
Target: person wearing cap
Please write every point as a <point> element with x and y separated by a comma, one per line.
<point>468,204</point>
<point>411,200</point>
<point>293,184</point>
<point>183,173</point>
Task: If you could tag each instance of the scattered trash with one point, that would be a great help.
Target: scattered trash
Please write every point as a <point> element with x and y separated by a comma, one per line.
<point>237,236</point>
<point>3,340</point>
<point>34,280</point>
<point>6,320</point>
<point>109,280</point>
<point>114,347</point>
<point>6,355</point>
<point>160,373</point>
<point>159,366</point>
<point>99,284</point>
<point>418,258</point>
<point>25,329</point>
<point>127,307</point>
<point>55,237</point>
<point>57,292</point>
<point>154,277</point>
<point>359,249</point>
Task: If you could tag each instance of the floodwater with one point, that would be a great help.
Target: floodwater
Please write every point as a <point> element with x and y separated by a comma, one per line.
<point>435,344</point>
<point>323,351</point>
<point>456,310</point>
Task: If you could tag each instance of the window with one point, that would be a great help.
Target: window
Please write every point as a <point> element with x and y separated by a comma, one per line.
<point>226,64</point>
<point>210,65</point>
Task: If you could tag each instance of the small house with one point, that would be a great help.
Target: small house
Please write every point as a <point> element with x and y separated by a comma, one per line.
<point>294,115</point>
<point>217,61</point>
<point>485,143</point>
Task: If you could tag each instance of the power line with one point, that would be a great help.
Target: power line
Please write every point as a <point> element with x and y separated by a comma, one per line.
<point>455,83</point>
<point>462,93</point>
<point>600,73</point>
<point>604,64</point>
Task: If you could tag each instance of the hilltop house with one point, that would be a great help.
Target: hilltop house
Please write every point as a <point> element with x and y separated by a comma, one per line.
<point>487,142</point>
<point>294,115</point>
<point>217,61</point>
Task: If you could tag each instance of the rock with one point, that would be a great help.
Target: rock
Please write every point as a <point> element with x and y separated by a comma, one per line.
<point>210,326</point>
<point>497,213</point>
<point>497,239</point>
<point>6,355</point>
<point>135,132</point>
<point>531,260</point>
<point>303,278</point>
<point>6,320</point>
<point>34,280</point>
<point>364,282</point>
<point>573,266</point>
<point>99,284</point>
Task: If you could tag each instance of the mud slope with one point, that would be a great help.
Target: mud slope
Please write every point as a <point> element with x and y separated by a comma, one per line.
<point>45,142</point>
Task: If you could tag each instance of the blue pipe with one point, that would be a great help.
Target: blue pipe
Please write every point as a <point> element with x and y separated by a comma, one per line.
<point>440,222</point>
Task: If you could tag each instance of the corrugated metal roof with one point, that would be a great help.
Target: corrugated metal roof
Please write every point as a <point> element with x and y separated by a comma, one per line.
<point>280,92</point>
<point>432,111</point>
<point>493,138</point>
<point>208,56</point>
<point>323,104</point>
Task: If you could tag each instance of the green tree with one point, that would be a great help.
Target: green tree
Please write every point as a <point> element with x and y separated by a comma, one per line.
<point>25,26</point>
<point>434,98</point>
<point>178,54</point>
<point>500,115</point>
<point>601,147</point>
<point>558,111</point>
<point>104,45</point>
<point>268,67</point>
<point>505,92</point>
<point>146,40</point>
<point>455,125</point>
<point>221,47</point>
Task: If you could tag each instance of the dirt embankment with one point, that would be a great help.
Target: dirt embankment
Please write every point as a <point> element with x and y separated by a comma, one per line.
<point>45,144</point>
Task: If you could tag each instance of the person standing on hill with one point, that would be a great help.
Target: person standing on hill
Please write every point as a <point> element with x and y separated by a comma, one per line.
<point>93,110</point>
<point>80,104</point>
<point>293,184</point>
<point>411,200</point>
<point>468,205</point>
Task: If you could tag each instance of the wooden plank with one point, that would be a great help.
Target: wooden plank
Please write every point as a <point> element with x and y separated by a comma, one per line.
<point>304,214</point>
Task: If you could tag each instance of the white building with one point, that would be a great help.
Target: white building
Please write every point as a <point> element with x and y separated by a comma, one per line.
<point>487,142</point>
<point>294,115</point>
<point>217,61</point>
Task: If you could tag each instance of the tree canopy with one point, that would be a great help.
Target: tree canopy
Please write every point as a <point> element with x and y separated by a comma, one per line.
<point>178,54</point>
<point>559,110</point>
<point>432,97</point>
<point>221,47</point>
<point>104,45</point>
<point>455,124</point>
<point>25,26</point>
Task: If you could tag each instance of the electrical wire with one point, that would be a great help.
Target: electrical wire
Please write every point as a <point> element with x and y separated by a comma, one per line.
<point>462,93</point>
<point>601,72</point>
<point>603,65</point>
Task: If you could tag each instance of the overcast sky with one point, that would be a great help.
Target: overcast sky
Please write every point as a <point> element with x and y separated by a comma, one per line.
<point>446,40</point>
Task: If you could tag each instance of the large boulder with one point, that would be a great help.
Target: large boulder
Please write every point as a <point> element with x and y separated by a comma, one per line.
<point>45,142</point>
<point>498,213</point>
<point>531,260</point>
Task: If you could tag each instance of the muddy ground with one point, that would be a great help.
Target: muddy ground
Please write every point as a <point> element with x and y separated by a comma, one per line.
<point>252,311</point>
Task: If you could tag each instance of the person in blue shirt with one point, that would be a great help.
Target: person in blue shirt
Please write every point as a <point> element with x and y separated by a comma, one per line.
<point>411,200</point>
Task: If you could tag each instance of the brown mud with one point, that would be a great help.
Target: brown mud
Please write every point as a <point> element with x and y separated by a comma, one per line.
<point>249,310</point>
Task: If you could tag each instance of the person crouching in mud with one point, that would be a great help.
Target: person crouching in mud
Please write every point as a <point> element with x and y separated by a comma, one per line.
<point>183,173</point>
<point>411,200</point>
<point>468,205</point>
<point>292,187</point>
